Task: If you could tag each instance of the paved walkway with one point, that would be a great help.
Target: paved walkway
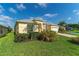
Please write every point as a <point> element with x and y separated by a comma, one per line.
<point>67,35</point>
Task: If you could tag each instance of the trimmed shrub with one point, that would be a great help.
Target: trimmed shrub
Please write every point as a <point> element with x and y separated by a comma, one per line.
<point>33,35</point>
<point>44,36</point>
<point>21,37</point>
<point>2,35</point>
<point>62,29</point>
<point>47,36</point>
<point>75,40</point>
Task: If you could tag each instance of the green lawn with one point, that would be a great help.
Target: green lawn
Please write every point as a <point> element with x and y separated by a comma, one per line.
<point>75,32</point>
<point>59,47</point>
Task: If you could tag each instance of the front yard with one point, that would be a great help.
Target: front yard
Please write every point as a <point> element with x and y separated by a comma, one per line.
<point>74,32</point>
<point>61,47</point>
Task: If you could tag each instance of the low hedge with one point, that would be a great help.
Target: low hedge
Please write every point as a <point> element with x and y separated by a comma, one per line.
<point>62,29</point>
<point>2,35</point>
<point>44,35</point>
<point>75,40</point>
<point>47,36</point>
<point>33,35</point>
<point>20,37</point>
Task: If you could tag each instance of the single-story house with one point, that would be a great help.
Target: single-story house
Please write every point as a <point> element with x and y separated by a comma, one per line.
<point>3,30</point>
<point>23,26</point>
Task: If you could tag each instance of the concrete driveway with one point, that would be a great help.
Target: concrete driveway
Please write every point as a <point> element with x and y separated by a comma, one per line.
<point>67,35</point>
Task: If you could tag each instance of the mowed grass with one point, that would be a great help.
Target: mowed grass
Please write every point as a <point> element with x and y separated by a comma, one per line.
<point>60,47</point>
<point>75,32</point>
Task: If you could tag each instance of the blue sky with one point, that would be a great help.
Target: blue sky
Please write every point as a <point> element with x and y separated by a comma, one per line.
<point>51,12</point>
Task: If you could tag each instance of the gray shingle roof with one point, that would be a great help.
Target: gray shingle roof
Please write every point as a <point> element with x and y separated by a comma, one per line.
<point>30,21</point>
<point>24,20</point>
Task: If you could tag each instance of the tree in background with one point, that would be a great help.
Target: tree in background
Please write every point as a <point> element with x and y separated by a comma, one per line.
<point>9,29</point>
<point>62,26</point>
<point>62,23</point>
<point>74,26</point>
<point>78,25</point>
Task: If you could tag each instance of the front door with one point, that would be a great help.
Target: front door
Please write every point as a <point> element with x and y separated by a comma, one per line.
<point>30,28</point>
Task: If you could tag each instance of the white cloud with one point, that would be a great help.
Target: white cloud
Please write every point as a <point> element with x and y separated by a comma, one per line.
<point>50,15</point>
<point>40,18</point>
<point>5,17</point>
<point>42,4</point>
<point>31,18</point>
<point>12,10</point>
<point>20,6</point>
<point>76,12</point>
<point>6,20</point>
<point>69,18</point>
<point>1,9</point>
<point>37,18</point>
<point>35,6</point>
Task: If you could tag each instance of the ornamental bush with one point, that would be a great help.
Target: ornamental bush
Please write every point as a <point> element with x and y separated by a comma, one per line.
<point>75,40</point>
<point>62,29</point>
<point>44,36</point>
<point>47,36</point>
<point>33,35</point>
<point>2,35</point>
<point>21,37</point>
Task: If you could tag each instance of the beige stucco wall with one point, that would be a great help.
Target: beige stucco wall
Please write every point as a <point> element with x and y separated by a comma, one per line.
<point>40,24</point>
<point>22,27</point>
<point>55,28</point>
<point>44,27</point>
<point>36,28</point>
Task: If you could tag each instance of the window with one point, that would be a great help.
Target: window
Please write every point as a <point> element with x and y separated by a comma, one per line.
<point>1,31</point>
<point>35,27</point>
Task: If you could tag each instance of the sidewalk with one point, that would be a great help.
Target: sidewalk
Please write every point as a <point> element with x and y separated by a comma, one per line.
<point>67,35</point>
